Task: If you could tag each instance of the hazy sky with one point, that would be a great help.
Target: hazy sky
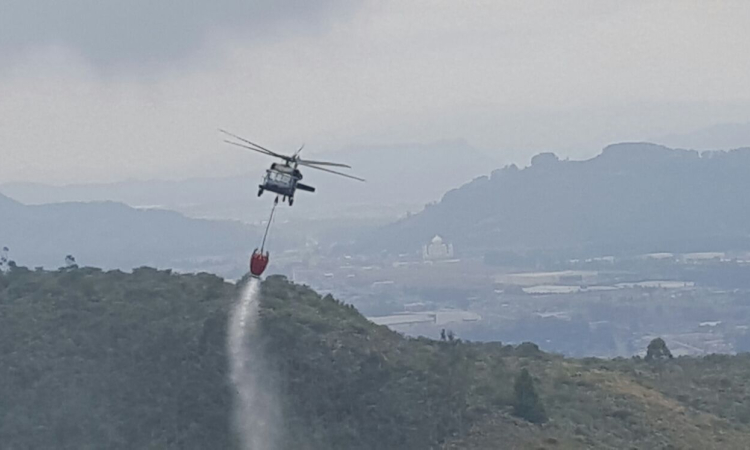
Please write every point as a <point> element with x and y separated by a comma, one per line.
<point>97,90</point>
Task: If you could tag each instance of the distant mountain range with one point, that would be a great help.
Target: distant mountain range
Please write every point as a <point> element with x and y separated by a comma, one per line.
<point>113,235</point>
<point>196,197</point>
<point>400,178</point>
<point>404,174</point>
<point>633,197</point>
<point>719,136</point>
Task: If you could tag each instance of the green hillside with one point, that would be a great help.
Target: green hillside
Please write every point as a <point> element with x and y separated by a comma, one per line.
<point>92,360</point>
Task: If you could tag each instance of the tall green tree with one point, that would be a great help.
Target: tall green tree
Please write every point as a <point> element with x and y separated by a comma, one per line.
<point>527,403</point>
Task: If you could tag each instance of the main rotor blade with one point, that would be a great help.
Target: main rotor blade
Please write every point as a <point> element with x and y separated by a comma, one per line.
<point>337,173</point>
<point>247,147</point>
<point>254,144</point>
<point>296,154</point>
<point>308,162</point>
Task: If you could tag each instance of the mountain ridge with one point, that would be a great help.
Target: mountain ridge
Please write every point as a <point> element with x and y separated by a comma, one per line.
<point>400,178</point>
<point>633,196</point>
<point>114,235</point>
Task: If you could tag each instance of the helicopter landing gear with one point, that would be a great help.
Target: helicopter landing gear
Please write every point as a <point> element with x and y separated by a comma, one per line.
<point>276,200</point>
<point>260,192</point>
<point>291,201</point>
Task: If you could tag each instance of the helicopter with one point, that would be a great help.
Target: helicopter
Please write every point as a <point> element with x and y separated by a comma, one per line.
<point>284,178</point>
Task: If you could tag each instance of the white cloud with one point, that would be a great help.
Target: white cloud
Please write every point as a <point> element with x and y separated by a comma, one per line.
<point>146,32</point>
<point>515,76</point>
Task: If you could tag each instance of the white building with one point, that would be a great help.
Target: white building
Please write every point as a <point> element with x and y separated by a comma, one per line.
<point>437,249</point>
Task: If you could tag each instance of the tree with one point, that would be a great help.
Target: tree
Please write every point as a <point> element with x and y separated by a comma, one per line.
<point>4,258</point>
<point>657,350</point>
<point>527,403</point>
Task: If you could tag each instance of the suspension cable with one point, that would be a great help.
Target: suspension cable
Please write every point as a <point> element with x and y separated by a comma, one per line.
<point>268,227</point>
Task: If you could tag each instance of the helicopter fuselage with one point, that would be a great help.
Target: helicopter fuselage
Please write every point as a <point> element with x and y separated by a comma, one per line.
<point>283,179</point>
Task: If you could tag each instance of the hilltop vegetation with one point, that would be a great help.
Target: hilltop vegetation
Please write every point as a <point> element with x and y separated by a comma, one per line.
<point>631,198</point>
<point>92,359</point>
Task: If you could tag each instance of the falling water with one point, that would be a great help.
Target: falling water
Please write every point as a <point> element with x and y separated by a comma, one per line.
<point>256,413</point>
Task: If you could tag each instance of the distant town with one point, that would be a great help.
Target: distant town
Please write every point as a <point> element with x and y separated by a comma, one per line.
<point>604,306</point>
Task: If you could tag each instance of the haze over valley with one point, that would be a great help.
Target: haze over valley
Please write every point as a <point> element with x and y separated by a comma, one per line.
<point>374,224</point>
<point>552,253</point>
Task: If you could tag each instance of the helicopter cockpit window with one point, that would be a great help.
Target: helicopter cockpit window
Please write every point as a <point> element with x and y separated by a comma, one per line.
<point>280,178</point>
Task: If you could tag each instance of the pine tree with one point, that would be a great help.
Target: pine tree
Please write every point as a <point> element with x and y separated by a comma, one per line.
<point>527,404</point>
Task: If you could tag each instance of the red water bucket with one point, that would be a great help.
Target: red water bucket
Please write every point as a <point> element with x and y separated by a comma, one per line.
<point>258,263</point>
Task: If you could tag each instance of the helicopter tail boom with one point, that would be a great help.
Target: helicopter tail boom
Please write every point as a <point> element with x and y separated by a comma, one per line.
<point>304,187</point>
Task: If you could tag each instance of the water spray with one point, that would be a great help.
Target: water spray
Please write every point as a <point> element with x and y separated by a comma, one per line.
<point>256,409</point>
